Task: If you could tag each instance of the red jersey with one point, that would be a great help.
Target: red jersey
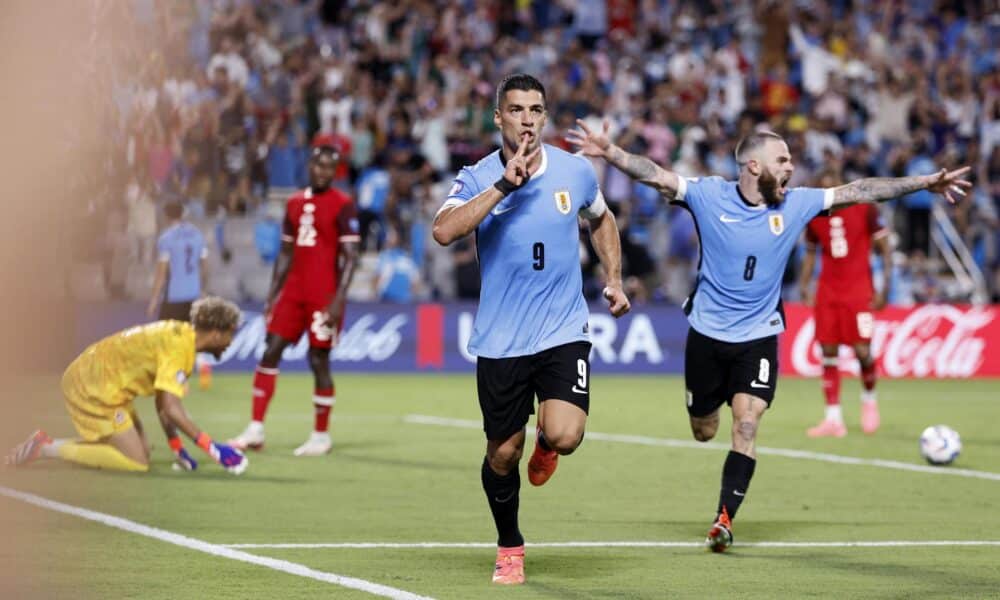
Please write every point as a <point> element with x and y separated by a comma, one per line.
<point>846,238</point>
<point>316,224</point>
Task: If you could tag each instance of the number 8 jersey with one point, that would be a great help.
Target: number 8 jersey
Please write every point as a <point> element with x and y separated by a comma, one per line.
<point>743,252</point>
<point>846,238</point>
<point>316,224</point>
<point>531,297</point>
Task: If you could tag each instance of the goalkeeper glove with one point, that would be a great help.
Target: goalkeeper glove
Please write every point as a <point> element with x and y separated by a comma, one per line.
<point>230,458</point>
<point>183,459</point>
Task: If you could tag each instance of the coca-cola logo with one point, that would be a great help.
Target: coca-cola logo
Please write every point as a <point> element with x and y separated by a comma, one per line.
<point>363,340</point>
<point>934,340</point>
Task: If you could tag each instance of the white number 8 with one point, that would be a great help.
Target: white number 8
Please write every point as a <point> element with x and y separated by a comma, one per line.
<point>765,370</point>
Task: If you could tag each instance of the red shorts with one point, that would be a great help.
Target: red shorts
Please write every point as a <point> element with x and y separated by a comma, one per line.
<point>838,323</point>
<point>290,317</point>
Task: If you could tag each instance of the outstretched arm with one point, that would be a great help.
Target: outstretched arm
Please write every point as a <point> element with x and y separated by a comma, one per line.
<point>607,242</point>
<point>878,189</point>
<point>640,168</point>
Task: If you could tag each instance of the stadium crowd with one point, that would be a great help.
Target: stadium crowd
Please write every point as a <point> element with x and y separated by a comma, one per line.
<point>215,104</point>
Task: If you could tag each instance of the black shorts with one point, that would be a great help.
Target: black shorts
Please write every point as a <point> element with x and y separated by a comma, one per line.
<point>178,311</point>
<point>715,370</point>
<point>508,386</point>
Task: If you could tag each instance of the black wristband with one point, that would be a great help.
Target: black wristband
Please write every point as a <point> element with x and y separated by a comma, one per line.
<point>505,187</point>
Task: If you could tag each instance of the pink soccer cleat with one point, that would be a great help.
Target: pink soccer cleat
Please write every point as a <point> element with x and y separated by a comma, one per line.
<point>27,451</point>
<point>827,428</point>
<point>870,419</point>
<point>509,569</point>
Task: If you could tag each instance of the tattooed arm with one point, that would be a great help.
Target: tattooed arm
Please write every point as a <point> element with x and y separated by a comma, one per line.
<point>878,189</point>
<point>640,168</point>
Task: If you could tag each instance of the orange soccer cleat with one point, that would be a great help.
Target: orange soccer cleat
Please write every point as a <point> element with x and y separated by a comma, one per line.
<point>827,428</point>
<point>720,536</point>
<point>542,464</point>
<point>509,569</point>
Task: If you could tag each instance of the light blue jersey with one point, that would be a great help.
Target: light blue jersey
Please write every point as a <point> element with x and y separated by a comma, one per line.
<point>529,254</point>
<point>744,249</point>
<point>182,246</point>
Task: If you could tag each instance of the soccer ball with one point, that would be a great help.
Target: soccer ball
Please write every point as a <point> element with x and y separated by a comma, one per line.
<point>940,444</point>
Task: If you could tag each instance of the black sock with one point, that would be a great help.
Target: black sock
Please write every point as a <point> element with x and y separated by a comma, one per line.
<point>542,443</point>
<point>503,494</point>
<point>736,474</point>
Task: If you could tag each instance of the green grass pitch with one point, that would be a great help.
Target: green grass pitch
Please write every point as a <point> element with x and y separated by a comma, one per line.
<point>394,480</point>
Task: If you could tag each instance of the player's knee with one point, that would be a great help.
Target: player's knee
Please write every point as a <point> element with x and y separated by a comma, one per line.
<point>319,360</point>
<point>503,460</point>
<point>746,429</point>
<point>271,357</point>
<point>564,441</point>
<point>704,431</point>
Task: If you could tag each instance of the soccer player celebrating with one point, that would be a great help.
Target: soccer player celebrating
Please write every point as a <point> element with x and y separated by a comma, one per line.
<point>747,228</point>
<point>530,333</point>
<point>149,360</point>
<point>319,250</point>
<point>181,270</point>
<point>844,303</point>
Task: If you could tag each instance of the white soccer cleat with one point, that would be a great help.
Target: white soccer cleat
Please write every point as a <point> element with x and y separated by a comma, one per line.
<point>252,438</point>
<point>318,444</point>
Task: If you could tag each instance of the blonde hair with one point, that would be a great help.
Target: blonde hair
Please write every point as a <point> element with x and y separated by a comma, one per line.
<point>214,313</point>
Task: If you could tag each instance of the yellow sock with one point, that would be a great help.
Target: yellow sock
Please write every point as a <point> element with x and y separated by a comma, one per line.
<point>99,456</point>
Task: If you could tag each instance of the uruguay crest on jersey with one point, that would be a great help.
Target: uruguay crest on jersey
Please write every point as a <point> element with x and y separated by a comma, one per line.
<point>777,223</point>
<point>563,202</point>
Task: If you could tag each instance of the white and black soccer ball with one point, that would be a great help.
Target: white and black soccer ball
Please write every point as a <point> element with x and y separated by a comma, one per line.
<point>940,444</point>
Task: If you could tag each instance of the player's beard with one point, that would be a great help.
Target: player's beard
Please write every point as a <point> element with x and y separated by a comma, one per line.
<point>767,185</point>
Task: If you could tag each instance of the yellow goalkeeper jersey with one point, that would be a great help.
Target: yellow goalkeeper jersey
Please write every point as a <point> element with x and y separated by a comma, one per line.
<point>134,362</point>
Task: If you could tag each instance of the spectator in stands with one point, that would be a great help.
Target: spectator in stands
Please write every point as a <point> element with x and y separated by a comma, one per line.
<point>397,277</point>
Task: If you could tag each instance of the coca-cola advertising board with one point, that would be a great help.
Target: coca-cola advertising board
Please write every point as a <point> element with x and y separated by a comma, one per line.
<point>924,341</point>
<point>927,341</point>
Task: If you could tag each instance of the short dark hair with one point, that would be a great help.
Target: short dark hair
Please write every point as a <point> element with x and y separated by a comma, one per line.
<point>519,81</point>
<point>174,210</point>
<point>752,142</point>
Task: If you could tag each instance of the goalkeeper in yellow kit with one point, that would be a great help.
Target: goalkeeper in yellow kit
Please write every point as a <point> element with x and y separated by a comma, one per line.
<point>148,360</point>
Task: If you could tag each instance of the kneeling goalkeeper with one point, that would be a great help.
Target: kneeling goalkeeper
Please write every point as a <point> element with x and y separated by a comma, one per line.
<point>148,360</point>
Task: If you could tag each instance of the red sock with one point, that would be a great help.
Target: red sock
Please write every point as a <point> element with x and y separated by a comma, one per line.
<point>868,376</point>
<point>264,380</point>
<point>831,381</point>
<point>323,400</point>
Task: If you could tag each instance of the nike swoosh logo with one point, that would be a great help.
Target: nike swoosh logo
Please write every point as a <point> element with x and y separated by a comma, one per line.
<point>726,219</point>
<point>578,390</point>
<point>507,499</point>
<point>738,493</point>
<point>497,211</point>
<point>754,384</point>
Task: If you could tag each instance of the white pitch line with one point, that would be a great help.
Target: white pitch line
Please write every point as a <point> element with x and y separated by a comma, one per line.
<point>617,544</point>
<point>787,453</point>
<point>209,548</point>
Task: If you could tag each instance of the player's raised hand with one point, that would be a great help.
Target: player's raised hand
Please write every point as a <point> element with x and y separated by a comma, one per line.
<point>591,143</point>
<point>618,301</point>
<point>951,184</point>
<point>517,171</point>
